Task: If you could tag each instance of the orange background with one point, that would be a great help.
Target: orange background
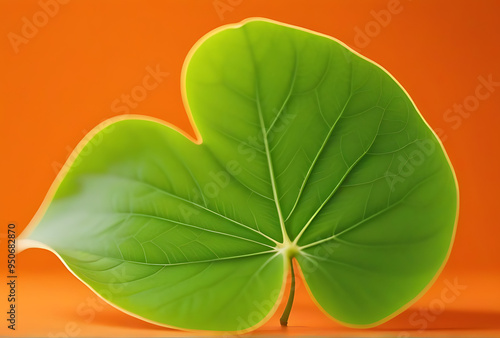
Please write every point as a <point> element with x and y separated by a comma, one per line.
<point>63,81</point>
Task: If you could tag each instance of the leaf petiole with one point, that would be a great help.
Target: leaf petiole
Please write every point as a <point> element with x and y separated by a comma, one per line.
<point>288,308</point>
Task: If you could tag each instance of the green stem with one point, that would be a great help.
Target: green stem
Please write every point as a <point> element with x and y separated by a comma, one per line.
<point>288,308</point>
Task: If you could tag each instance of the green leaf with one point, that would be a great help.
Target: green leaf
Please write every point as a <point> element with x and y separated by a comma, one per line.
<point>307,151</point>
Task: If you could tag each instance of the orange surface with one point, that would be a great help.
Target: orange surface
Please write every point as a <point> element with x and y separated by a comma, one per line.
<point>63,78</point>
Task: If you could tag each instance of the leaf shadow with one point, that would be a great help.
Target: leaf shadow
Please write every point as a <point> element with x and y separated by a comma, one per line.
<point>112,318</point>
<point>123,320</point>
<point>448,320</point>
